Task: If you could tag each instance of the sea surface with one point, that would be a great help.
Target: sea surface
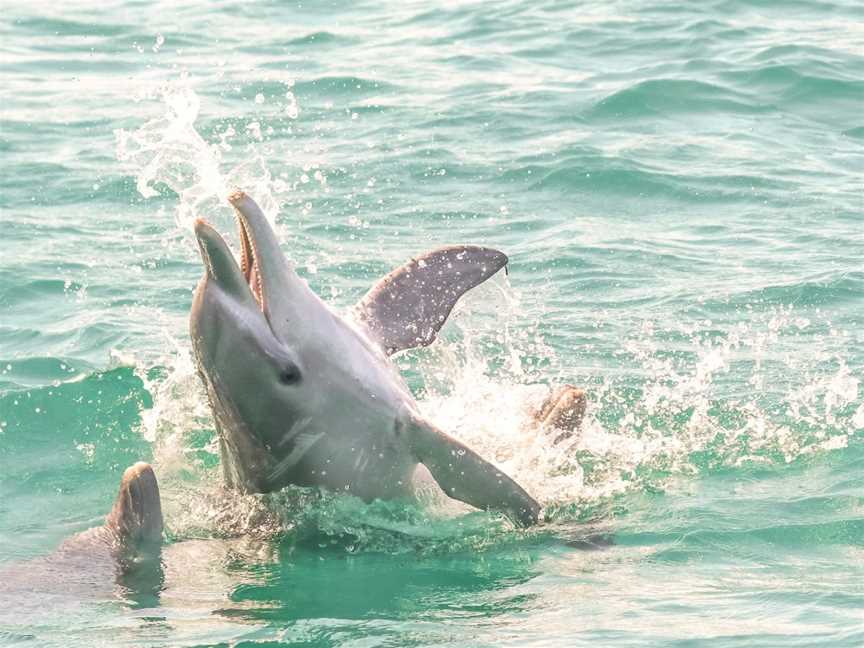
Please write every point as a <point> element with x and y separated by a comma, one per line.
<point>679,190</point>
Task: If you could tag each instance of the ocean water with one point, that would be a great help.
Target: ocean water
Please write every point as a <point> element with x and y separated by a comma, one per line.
<point>679,190</point>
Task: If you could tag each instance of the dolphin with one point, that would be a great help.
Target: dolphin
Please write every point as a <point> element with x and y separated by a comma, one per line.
<point>132,533</point>
<point>302,395</point>
<point>134,526</point>
<point>125,550</point>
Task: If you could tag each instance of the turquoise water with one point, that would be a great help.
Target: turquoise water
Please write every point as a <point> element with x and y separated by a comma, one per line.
<point>679,190</point>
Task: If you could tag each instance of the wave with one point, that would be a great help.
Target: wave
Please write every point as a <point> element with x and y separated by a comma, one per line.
<point>65,27</point>
<point>322,39</point>
<point>670,97</point>
<point>339,86</point>
<point>64,416</point>
<point>620,178</point>
<point>788,84</point>
<point>830,290</point>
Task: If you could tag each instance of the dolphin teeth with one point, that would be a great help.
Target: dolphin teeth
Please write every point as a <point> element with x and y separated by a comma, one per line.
<point>246,253</point>
<point>248,257</point>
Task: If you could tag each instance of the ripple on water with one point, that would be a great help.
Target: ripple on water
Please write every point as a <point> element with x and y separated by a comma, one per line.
<point>670,98</point>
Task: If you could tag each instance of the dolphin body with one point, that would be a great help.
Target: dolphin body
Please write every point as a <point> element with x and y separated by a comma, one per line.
<point>301,395</point>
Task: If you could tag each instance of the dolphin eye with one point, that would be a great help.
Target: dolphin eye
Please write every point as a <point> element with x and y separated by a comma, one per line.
<point>289,375</point>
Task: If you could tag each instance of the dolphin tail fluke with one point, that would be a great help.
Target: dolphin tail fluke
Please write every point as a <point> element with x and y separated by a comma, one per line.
<point>135,521</point>
<point>466,476</point>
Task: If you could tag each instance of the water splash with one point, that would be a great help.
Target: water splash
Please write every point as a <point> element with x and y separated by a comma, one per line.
<point>169,152</point>
<point>668,415</point>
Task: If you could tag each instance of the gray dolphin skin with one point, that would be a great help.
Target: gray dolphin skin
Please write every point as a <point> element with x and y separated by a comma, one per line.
<point>126,550</point>
<point>301,395</point>
<point>134,525</point>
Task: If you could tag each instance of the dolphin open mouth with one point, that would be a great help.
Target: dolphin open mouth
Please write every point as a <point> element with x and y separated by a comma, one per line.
<point>249,265</point>
<point>220,261</point>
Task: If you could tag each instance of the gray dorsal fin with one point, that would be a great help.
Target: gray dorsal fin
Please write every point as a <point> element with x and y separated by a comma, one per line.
<point>409,306</point>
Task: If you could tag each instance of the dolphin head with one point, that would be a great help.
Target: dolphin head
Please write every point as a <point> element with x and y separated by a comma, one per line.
<point>253,377</point>
<point>274,358</point>
<point>135,520</point>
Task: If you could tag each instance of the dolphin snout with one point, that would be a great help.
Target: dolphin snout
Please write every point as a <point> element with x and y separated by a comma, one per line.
<point>219,262</point>
<point>210,243</point>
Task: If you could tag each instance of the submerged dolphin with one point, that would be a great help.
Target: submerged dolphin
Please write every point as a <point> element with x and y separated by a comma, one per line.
<point>132,533</point>
<point>301,395</point>
<point>125,550</point>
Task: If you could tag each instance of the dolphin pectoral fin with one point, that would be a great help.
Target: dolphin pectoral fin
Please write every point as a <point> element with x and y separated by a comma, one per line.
<point>409,306</point>
<point>135,521</point>
<point>464,475</point>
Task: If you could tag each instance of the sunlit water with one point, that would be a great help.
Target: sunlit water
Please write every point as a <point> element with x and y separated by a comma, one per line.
<point>680,195</point>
